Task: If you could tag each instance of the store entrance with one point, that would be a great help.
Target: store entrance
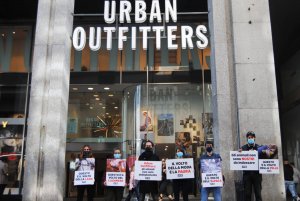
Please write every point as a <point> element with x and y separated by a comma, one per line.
<point>124,116</point>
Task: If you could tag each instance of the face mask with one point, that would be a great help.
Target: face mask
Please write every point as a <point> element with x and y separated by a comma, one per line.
<point>209,149</point>
<point>86,154</point>
<point>117,156</point>
<point>148,149</point>
<point>179,154</point>
<point>251,141</point>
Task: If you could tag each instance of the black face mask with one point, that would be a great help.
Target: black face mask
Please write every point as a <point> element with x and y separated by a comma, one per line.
<point>86,154</point>
<point>209,149</point>
<point>148,149</point>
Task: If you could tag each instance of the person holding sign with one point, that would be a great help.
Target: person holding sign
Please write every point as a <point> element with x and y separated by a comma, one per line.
<point>85,166</point>
<point>183,185</point>
<point>119,173</point>
<point>165,186</point>
<point>148,186</point>
<point>251,178</point>
<point>211,175</point>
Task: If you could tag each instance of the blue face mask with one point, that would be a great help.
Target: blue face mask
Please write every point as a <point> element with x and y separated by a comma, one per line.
<point>179,154</point>
<point>251,141</point>
<point>118,156</point>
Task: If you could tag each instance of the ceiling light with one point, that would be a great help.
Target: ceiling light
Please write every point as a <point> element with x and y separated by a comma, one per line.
<point>116,107</point>
<point>103,107</point>
<point>110,95</point>
<point>14,32</point>
<point>107,113</point>
<point>91,108</point>
<point>96,95</point>
<point>87,104</point>
<point>100,103</point>
<point>75,89</point>
<point>91,88</point>
<point>97,99</point>
<point>106,88</point>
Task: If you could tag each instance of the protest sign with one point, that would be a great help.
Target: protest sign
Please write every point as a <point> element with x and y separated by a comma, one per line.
<point>245,160</point>
<point>212,179</point>
<point>115,172</point>
<point>211,172</point>
<point>211,165</point>
<point>268,166</point>
<point>180,168</point>
<point>148,170</point>
<point>84,177</point>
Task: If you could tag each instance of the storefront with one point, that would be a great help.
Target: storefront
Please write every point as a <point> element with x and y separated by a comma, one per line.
<point>107,76</point>
<point>125,92</point>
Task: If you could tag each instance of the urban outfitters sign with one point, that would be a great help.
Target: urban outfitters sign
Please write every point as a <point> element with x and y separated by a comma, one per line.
<point>140,16</point>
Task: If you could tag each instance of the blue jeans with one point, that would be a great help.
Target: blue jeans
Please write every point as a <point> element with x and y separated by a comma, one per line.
<point>215,190</point>
<point>291,186</point>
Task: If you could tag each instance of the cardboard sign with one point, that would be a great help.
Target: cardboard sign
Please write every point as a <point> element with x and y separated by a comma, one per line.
<point>245,160</point>
<point>212,179</point>
<point>115,172</point>
<point>148,170</point>
<point>84,177</point>
<point>268,166</point>
<point>180,168</point>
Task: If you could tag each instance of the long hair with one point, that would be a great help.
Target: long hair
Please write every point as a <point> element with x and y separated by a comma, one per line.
<point>81,152</point>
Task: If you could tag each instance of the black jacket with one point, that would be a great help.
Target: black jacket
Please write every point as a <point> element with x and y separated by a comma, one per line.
<point>246,147</point>
<point>148,186</point>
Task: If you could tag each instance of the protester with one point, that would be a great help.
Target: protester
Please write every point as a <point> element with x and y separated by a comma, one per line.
<point>150,187</point>
<point>289,180</point>
<point>85,162</point>
<point>209,154</point>
<point>165,186</point>
<point>115,193</point>
<point>133,186</point>
<point>181,185</point>
<point>251,178</point>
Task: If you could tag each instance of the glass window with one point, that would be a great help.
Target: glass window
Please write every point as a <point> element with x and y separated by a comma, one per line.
<point>15,48</point>
<point>12,134</point>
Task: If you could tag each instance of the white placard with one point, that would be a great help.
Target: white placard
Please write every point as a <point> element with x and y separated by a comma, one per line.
<point>212,179</point>
<point>268,166</point>
<point>148,170</point>
<point>115,178</point>
<point>245,160</point>
<point>84,177</point>
<point>115,172</point>
<point>180,168</point>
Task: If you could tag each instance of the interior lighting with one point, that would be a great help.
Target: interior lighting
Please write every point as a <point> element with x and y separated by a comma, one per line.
<point>91,88</point>
<point>106,88</point>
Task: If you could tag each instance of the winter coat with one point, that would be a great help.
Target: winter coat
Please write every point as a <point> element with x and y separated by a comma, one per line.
<point>148,186</point>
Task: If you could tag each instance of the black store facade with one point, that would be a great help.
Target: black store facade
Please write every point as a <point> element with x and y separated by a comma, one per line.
<point>72,75</point>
